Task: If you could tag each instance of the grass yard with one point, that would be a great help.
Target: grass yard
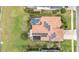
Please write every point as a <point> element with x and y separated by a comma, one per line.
<point>67,18</point>
<point>75,46</point>
<point>67,47</point>
<point>12,24</point>
<point>74,19</point>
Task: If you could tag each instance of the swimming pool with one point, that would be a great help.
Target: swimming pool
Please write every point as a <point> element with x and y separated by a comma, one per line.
<point>35,21</point>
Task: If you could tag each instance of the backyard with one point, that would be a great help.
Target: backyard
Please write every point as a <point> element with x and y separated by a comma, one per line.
<point>13,23</point>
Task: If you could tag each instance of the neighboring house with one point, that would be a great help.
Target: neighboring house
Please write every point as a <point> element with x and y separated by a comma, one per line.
<point>39,8</point>
<point>46,28</point>
<point>49,7</point>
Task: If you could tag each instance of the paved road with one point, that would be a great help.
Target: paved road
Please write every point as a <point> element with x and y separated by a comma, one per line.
<point>69,34</point>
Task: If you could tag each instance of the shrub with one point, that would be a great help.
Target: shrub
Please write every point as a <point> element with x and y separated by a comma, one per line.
<point>66,6</point>
<point>33,46</point>
<point>24,35</point>
<point>63,20</point>
<point>63,10</point>
<point>54,11</point>
<point>36,46</point>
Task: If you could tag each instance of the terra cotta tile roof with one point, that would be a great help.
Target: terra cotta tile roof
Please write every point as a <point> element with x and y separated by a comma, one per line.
<point>54,22</point>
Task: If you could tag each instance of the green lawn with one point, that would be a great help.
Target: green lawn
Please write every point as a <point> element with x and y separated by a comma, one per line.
<point>13,28</point>
<point>66,46</point>
<point>67,18</point>
<point>74,20</point>
<point>75,45</point>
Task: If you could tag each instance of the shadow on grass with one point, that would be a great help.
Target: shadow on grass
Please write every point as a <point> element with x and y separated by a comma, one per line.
<point>24,35</point>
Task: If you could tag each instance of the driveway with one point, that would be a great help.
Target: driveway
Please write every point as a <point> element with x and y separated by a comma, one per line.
<point>70,34</point>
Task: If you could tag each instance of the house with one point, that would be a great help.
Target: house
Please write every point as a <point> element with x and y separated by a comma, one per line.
<point>46,28</point>
<point>39,8</point>
<point>44,7</point>
<point>49,7</point>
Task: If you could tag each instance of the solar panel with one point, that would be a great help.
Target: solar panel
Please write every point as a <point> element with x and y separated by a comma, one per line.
<point>36,37</point>
<point>46,25</point>
<point>52,36</point>
<point>41,34</point>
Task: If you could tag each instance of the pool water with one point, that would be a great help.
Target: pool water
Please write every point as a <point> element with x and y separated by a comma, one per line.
<point>35,21</point>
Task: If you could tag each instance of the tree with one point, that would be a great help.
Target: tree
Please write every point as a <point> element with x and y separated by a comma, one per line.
<point>54,11</point>
<point>63,20</point>
<point>63,10</point>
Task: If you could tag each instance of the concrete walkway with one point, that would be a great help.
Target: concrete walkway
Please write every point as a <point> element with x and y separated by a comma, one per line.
<point>69,34</point>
